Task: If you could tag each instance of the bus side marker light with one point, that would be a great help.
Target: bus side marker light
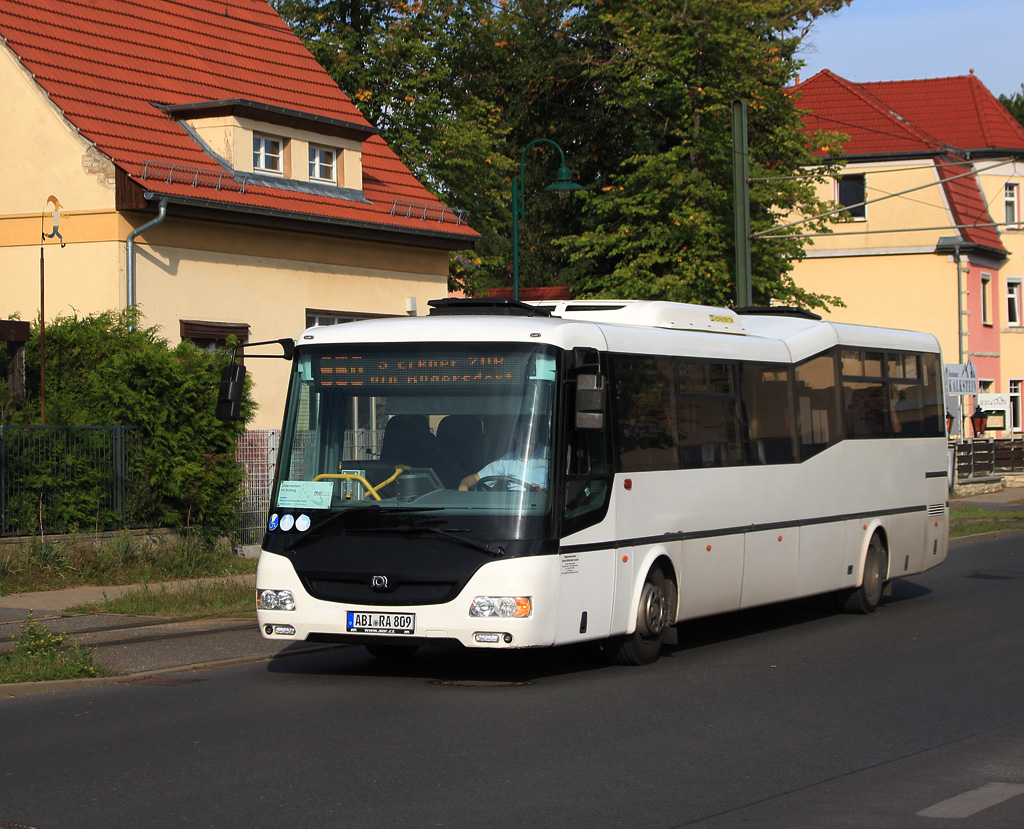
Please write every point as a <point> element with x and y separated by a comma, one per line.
<point>780,538</point>
<point>709,548</point>
<point>627,484</point>
<point>625,559</point>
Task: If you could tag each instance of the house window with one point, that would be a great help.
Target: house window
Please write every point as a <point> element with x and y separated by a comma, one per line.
<point>1011,198</point>
<point>315,317</point>
<point>1015,423</point>
<point>986,299</point>
<point>209,336</point>
<point>323,164</point>
<point>267,156</point>
<point>851,193</point>
<point>1013,302</point>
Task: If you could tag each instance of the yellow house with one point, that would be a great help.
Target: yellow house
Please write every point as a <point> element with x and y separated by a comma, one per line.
<point>198,163</point>
<point>928,233</point>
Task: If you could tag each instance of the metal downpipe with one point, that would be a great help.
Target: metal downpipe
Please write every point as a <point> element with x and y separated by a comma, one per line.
<point>130,252</point>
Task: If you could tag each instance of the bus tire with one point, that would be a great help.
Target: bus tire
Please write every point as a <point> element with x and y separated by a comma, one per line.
<point>391,653</point>
<point>865,599</point>
<point>653,619</point>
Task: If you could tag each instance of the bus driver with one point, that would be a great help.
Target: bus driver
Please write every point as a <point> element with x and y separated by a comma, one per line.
<point>526,463</point>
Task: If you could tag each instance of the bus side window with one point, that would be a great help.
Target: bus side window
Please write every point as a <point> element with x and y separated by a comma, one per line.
<point>643,413</point>
<point>818,423</point>
<point>769,411</point>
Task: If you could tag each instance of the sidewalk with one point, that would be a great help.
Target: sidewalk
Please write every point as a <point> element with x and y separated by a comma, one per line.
<point>135,647</point>
<point>1003,500</point>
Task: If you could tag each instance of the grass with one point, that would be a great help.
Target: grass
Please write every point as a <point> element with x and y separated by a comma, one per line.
<point>40,654</point>
<point>191,600</point>
<point>41,564</point>
<point>965,519</point>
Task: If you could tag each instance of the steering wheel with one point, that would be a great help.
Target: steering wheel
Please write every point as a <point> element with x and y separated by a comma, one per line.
<point>499,483</point>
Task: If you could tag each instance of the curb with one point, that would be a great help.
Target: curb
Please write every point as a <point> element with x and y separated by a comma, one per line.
<point>27,689</point>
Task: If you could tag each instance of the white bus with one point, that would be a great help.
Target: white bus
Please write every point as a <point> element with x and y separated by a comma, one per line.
<point>506,475</point>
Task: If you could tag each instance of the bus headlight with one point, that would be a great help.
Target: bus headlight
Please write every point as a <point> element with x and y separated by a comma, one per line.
<point>275,600</point>
<point>503,607</point>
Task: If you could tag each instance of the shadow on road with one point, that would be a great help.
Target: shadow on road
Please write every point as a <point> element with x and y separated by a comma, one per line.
<point>459,666</point>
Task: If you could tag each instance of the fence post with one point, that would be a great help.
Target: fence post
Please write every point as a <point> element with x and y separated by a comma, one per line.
<point>117,450</point>
<point>3,483</point>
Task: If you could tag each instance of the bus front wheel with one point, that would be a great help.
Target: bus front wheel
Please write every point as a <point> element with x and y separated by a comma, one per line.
<point>653,619</point>
<point>865,599</point>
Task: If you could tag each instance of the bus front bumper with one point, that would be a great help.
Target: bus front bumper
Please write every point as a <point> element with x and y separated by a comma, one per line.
<point>501,587</point>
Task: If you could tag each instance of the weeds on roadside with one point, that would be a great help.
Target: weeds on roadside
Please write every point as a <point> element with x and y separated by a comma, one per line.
<point>40,654</point>
<point>122,559</point>
<point>192,599</point>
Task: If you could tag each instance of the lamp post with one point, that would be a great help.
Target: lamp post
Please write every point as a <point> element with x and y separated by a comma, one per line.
<point>564,186</point>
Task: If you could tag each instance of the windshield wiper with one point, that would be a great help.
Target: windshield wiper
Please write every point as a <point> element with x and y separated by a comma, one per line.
<point>334,517</point>
<point>493,551</point>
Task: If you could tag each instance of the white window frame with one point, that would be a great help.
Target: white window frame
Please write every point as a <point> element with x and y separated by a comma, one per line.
<point>1011,202</point>
<point>986,299</point>
<point>323,164</point>
<point>1015,414</point>
<point>267,154</point>
<point>1013,303</point>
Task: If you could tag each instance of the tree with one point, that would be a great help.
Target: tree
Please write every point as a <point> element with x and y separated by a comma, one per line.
<point>104,369</point>
<point>663,221</point>
<point>637,92</point>
<point>1015,104</point>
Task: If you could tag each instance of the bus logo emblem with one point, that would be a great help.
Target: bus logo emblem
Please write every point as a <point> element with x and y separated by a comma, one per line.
<point>379,583</point>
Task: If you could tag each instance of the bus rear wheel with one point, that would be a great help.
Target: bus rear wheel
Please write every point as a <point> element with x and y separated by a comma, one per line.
<point>866,598</point>
<point>653,619</point>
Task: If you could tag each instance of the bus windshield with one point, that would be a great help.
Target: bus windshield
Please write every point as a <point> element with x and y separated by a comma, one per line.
<point>459,434</point>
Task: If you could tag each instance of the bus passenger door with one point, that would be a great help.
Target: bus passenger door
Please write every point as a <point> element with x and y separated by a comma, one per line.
<point>586,568</point>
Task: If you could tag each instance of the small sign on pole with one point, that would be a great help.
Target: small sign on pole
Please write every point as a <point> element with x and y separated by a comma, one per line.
<point>961,378</point>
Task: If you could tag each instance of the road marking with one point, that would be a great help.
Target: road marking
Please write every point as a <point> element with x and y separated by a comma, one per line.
<point>972,802</point>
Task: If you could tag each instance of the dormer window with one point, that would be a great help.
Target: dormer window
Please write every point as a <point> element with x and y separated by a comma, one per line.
<point>323,164</point>
<point>267,155</point>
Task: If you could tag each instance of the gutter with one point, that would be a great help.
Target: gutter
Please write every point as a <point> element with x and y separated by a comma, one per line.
<point>130,252</point>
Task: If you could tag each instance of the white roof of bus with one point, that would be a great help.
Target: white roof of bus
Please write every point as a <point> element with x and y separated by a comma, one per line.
<point>634,326</point>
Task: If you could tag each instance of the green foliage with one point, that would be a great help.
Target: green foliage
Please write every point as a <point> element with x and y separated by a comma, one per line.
<point>194,599</point>
<point>109,369</point>
<point>1015,104</point>
<point>40,655</point>
<point>637,93</point>
<point>41,564</point>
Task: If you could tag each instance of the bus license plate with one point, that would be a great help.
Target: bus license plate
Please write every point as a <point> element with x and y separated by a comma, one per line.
<point>363,622</point>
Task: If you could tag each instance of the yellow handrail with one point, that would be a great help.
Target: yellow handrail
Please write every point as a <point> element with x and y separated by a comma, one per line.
<point>349,476</point>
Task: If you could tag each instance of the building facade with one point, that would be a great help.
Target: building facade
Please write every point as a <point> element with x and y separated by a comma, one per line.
<point>928,232</point>
<point>205,169</point>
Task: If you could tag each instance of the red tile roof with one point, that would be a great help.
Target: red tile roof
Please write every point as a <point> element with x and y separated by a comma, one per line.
<point>959,111</point>
<point>945,119</point>
<point>109,64</point>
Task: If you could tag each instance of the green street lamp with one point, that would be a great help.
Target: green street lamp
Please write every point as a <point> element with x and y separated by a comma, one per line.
<point>564,186</point>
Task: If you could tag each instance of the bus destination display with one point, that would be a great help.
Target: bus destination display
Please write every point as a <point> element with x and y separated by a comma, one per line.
<point>407,371</point>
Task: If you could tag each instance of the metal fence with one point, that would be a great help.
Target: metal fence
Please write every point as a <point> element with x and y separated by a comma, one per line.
<point>60,479</point>
<point>257,452</point>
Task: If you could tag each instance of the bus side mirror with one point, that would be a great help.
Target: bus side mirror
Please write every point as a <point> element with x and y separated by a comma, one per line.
<point>229,400</point>
<point>590,401</point>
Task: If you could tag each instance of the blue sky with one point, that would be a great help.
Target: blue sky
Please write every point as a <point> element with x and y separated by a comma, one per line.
<point>895,40</point>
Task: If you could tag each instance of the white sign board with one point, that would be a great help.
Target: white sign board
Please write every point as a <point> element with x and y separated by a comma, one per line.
<point>994,402</point>
<point>961,379</point>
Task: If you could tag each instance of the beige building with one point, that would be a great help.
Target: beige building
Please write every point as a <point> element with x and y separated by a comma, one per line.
<point>930,234</point>
<point>207,170</point>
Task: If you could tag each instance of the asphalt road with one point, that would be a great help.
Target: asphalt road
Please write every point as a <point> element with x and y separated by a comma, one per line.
<point>779,717</point>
